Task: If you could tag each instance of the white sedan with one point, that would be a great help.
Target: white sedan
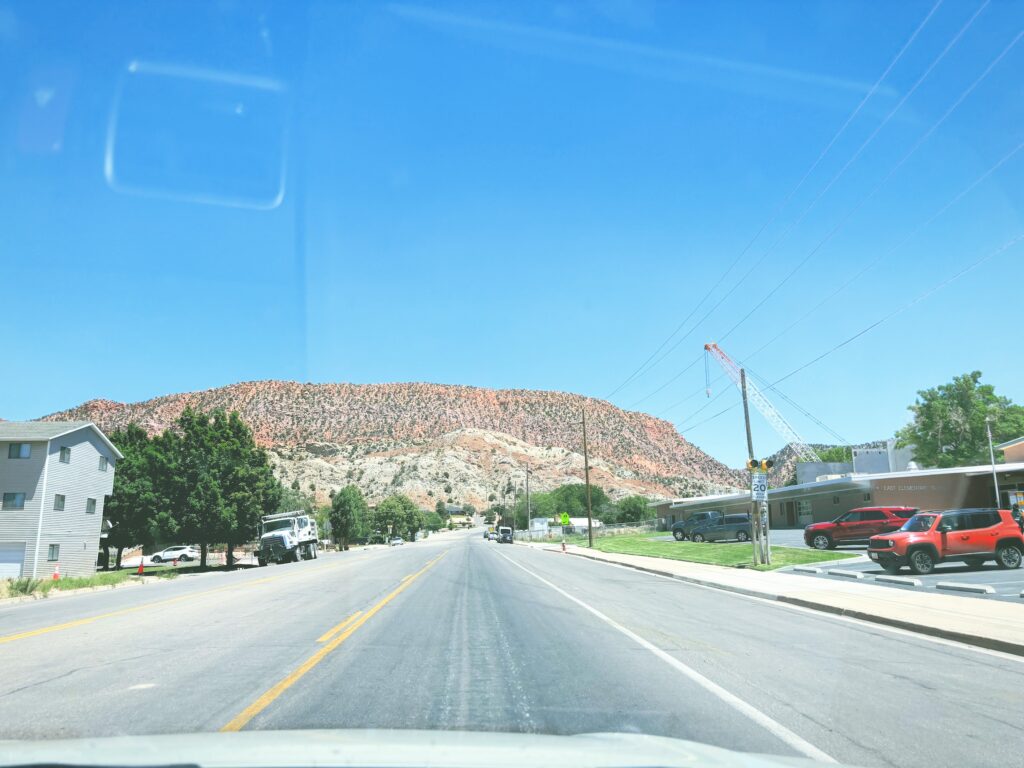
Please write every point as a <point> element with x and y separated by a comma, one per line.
<point>182,553</point>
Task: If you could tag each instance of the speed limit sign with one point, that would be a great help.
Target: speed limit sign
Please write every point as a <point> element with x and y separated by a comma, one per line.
<point>758,486</point>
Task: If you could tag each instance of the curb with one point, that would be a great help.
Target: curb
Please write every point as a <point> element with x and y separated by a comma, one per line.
<point>993,644</point>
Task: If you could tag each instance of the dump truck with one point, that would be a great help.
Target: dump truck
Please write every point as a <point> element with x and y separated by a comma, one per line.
<point>287,537</point>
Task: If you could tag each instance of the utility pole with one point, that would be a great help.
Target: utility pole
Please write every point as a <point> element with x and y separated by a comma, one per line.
<point>586,478</point>
<point>755,523</point>
<point>992,457</point>
<point>529,513</point>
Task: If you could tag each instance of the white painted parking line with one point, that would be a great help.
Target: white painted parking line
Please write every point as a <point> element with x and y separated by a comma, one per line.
<point>978,589</point>
<point>847,574</point>
<point>899,580</point>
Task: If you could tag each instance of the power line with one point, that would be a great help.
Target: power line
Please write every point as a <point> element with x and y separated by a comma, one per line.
<point>971,267</point>
<point>870,265</point>
<point>917,145</point>
<point>835,178</point>
<point>788,197</point>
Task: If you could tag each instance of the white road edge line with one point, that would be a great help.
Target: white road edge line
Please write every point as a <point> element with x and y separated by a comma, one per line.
<point>772,726</point>
<point>826,616</point>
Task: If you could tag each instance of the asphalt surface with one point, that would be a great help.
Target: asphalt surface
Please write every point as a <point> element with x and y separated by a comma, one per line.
<point>459,633</point>
<point>1006,585</point>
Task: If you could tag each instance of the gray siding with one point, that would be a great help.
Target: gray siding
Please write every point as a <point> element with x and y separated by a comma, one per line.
<point>22,476</point>
<point>75,530</point>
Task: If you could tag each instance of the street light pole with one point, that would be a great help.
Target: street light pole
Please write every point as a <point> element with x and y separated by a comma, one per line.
<point>586,478</point>
<point>992,457</point>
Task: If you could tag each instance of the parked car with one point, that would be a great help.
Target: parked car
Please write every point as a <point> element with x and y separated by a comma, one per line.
<point>730,527</point>
<point>397,541</point>
<point>492,536</point>
<point>183,553</point>
<point>973,536</point>
<point>856,526</point>
<point>682,530</point>
<point>504,535</point>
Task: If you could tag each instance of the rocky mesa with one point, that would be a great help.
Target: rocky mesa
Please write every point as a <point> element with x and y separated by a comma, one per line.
<point>433,441</point>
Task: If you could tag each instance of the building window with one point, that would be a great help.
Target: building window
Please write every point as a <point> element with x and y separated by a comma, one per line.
<point>867,497</point>
<point>14,501</point>
<point>103,463</point>
<point>835,499</point>
<point>65,455</point>
<point>90,506</point>
<point>804,508</point>
<point>19,451</point>
<point>54,553</point>
<point>58,502</point>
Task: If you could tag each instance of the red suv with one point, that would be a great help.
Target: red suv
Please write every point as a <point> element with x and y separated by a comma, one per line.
<point>857,525</point>
<point>969,535</point>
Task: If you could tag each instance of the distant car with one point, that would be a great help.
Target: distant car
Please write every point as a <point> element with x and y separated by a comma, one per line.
<point>492,536</point>
<point>397,541</point>
<point>504,535</point>
<point>857,526</point>
<point>182,553</point>
<point>968,535</point>
<point>487,535</point>
<point>682,530</point>
<point>730,527</point>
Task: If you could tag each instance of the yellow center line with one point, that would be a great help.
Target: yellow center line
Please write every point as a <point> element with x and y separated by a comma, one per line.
<point>338,627</point>
<point>265,700</point>
<point>155,604</point>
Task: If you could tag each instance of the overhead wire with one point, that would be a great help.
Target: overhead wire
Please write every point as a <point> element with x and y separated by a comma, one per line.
<point>917,145</point>
<point>824,190</point>
<point>867,329</point>
<point>870,265</point>
<point>799,185</point>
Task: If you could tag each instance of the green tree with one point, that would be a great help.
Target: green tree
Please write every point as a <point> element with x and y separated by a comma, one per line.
<point>836,453</point>
<point>397,515</point>
<point>244,478</point>
<point>468,509</point>
<point>433,522</point>
<point>440,508</point>
<point>348,513</point>
<point>572,498</point>
<point>136,506</point>
<point>948,426</point>
<point>633,509</point>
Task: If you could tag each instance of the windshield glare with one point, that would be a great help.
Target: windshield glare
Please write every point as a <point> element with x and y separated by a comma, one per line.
<point>919,523</point>
<point>277,525</point>
<point>523,286</point>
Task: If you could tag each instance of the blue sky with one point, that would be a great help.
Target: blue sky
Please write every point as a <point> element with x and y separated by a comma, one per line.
<point>528,195</point>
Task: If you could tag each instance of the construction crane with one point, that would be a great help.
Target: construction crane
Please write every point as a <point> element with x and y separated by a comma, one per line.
<point>803,451</point>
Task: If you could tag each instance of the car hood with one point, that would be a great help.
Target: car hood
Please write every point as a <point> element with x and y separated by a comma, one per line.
<point>397,749</point>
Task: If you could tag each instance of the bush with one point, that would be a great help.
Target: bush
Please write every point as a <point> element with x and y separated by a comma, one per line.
<point>23,586</point>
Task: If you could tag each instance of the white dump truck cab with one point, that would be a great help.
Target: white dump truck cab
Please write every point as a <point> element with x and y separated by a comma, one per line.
<point>287,537</point>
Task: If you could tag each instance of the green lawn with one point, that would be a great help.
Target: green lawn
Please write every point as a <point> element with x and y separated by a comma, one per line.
<point>731,554</point>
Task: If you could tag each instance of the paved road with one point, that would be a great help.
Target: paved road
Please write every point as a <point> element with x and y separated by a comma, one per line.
<point>459,633</point>
<point>1007,585</point>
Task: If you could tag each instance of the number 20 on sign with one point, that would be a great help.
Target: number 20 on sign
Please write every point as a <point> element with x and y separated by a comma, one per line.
<point>759,486</point>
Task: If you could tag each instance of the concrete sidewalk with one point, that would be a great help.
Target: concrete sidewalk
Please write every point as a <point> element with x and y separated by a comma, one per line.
<point>990,624</point>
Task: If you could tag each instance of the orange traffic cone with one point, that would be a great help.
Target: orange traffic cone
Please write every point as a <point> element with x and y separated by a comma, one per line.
<point>56,572</point>
<point>139,572</point>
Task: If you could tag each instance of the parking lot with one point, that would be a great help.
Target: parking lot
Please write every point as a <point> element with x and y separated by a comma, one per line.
<point>1006,585</point>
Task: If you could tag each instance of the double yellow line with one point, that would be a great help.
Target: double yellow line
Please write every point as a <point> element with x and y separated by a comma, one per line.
<point>340,634</point>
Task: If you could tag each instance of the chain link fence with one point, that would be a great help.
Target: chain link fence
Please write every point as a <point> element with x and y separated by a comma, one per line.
<point>557,533</point>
